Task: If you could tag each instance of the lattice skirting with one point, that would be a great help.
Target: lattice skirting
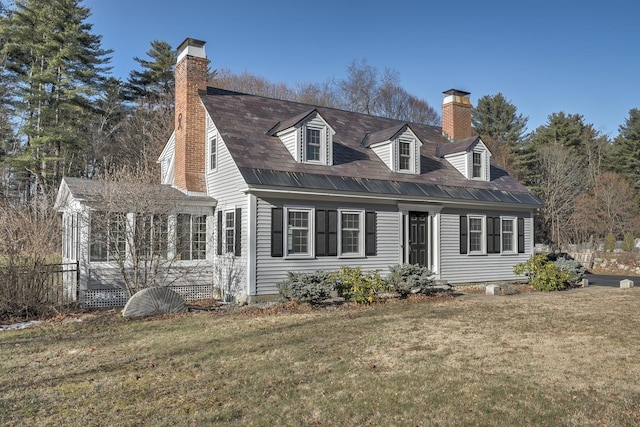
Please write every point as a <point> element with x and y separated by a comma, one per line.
<point>101,298</point>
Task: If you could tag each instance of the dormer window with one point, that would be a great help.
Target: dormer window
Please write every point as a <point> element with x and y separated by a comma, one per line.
<point>404,163</point>
<point>308,137</point>
<point>398,147</point>
<point>470,157</point>
<point>313,145</point>
<point>477,165</point>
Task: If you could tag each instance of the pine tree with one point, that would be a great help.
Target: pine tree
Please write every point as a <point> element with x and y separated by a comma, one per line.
<point>58,66</point>
<point>495,117</point>
<point>155,82</point>
<point>627,148</point>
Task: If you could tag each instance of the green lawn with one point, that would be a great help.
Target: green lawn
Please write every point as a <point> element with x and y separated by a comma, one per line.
<point>565,358</point>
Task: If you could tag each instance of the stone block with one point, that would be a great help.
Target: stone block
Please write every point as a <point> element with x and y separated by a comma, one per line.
<point>492,290</point>
<point>585,283</point>
<point>626,283</point>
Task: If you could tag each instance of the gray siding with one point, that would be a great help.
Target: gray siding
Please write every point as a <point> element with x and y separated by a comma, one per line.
<point>271,270</point>
<point>384,152</point>
<point>290,140</point>
<point>459,161</point>
<point>460,268</point>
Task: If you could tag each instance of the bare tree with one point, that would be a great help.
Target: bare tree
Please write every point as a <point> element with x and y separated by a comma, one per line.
<point>129,226</point>
<point>29,241</point>
<point>560,182</point>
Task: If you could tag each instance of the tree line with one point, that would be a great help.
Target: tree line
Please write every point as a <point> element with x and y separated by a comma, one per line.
<point>62,113</point>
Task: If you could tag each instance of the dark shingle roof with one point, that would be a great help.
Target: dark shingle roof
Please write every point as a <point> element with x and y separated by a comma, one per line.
<point>244,122</point>
<point>92,192</point>
<point>457,146</point>
<point>382,135</point>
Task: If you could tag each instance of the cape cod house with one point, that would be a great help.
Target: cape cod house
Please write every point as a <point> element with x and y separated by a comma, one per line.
<point>283,186</point>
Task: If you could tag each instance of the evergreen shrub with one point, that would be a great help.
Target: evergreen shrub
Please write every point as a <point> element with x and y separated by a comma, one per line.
<point>408,279</point>
<point>307,287</point>
<point>543,274</point>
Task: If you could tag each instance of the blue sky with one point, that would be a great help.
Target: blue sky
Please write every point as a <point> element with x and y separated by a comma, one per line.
<point>544,56</point>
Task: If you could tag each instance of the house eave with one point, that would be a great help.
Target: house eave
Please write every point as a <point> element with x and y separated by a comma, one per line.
<point>288,192</point>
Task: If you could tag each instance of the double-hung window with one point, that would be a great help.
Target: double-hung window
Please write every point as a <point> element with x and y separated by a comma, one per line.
<point>191,237</point>
<point>351,225</point>
<point>404,161</point>
<point>508,235</point>
<point>229,231</point>
<point>476,235</point>
<point>477,165</point>
<point>313,145</point>
<point>299,232</point>
<point>213,153</point>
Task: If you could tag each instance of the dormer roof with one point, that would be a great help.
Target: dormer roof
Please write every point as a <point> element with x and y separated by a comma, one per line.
<point>295,121</point>
<point>385,134</point>
<point>457,146</point>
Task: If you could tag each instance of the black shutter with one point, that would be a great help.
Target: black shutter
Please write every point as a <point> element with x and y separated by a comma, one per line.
<point>493,235</point>
<point>463,234</point>
<point>332,233</point>
<point>520,235</point>
<point>490,234</point>
<point>238,243</point>
<point>370,227</point>
<point>321,233</point>
<point>276,232</point>
<point>219,248</point>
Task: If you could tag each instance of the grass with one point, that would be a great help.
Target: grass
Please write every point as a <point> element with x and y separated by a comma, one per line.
<point>564,358</point>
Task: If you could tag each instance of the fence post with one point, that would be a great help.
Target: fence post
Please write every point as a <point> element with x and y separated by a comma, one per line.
<point>78,281</point>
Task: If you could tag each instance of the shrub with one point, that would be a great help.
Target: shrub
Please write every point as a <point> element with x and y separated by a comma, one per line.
<point>355,286</point>
<point>408,279</point>
<point>609,242</point>
<point>628,243</point>
<point>573,267</point>
<point>307,287</point>
<point>543,274</point>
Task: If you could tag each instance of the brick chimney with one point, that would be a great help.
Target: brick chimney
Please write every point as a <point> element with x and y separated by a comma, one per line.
<point>190,77</point>
<point>456,115</point>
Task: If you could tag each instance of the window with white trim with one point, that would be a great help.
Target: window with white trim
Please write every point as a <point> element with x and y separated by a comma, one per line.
<point>191,233</point>
<point>404,162</point>
<point>351,226</point>
<point>108,236</point>
<point>477,165</point>
<point>508,237</point>
<point>229,231</point>
<point>313,145</point>
<point>213,153</point>
<point>476,235</point>
<point>299,232</point>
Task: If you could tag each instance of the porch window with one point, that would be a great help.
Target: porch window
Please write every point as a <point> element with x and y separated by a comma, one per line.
<point>108,236</point>
<point>151,236</point>
<point>191,237</point>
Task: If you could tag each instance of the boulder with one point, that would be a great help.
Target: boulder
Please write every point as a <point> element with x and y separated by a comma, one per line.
<point>153,301</point>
